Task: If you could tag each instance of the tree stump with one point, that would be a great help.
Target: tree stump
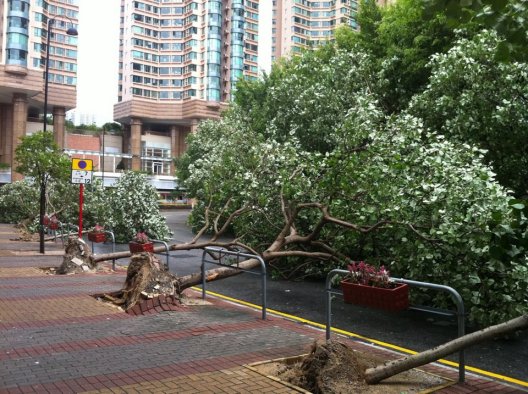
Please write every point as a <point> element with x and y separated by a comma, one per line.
<point>146,278</point>
<point>77,258</point>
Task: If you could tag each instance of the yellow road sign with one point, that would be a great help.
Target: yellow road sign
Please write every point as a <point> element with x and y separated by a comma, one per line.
<point>82,164</point>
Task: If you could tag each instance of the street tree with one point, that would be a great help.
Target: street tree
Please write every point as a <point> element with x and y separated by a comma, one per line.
<point>408,198</point>
<point>506,18</point>
<point>41,159</point>
<point>113,127</point>
<point>134,208</point>
<point>389,191</point>
<point>310,170</point>
<point>473,97</point>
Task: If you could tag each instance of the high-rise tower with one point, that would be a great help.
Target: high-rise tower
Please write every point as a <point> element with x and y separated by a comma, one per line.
<point>23,52</point>
<point>301,24</point>
<point>179,62</point>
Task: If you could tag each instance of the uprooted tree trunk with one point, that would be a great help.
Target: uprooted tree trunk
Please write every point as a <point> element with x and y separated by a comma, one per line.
<point>146,278</point>
<point>391,368</point>
<point>288,243</point>
<point>77,258</point>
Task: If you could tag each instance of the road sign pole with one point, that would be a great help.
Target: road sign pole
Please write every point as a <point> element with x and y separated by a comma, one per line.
<point>81,173</point>
<point>81,198</point>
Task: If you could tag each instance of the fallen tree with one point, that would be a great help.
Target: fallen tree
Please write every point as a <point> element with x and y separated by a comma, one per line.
<point>146,273</point>
<point>147,277</point>
<point>391,368</point>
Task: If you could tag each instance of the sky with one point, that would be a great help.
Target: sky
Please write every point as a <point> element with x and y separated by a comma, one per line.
<point>98,52</point>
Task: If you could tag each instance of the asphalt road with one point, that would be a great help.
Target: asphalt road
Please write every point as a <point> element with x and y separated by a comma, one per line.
<point>409,329</point>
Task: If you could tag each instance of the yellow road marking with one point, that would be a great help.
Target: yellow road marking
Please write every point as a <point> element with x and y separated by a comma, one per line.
<point>351,334</point>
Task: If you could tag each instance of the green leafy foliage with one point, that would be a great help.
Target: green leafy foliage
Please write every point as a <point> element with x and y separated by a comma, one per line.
<point>507,18</point>
<point>400,38</point>
<point>473,97</point>
<point>40,158</point>
<point>97,207</point>
<point>323,136</point>
<point>18,202</point>
<point>134,209</point>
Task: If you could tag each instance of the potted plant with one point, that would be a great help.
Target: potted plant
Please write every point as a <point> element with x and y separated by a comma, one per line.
<point>367,285</point>
<point>141,243</point>
<point>97,234</point>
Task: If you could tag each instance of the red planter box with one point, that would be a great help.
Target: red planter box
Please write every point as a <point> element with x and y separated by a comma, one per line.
<point>97,237</point>
<point>138,248</point>
<point>54,225</point>
<point>392,299</point>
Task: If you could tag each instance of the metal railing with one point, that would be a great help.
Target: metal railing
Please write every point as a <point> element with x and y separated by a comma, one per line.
<point>111,233</point>
<point>460,312</point>
<point>221,252</point>
<point>167,255</point>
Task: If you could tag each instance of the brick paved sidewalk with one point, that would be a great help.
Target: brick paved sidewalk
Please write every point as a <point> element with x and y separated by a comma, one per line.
<point>56,338</point>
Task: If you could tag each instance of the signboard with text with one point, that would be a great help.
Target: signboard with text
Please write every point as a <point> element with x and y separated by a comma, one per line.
<point>81,171</point>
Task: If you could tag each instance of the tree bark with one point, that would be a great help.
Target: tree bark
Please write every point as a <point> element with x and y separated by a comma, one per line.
<point>215,274</point>
<point>161,249</point>
<point>381,372</point>
<point>42,213</point>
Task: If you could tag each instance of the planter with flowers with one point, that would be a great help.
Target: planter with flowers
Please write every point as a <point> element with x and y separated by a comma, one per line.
<point>141,243</point>
<point>368,286</point>
<point>53,223</point>
<point>97,234</point>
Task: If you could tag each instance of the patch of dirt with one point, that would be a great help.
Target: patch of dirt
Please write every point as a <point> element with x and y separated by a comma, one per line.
<point>101,268</point>
<point>333,367</point>
<point>19,272</point>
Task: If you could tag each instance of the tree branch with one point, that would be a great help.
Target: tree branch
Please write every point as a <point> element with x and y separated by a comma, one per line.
<point>296,253</point>
<point>206,224</point>
<point>224,208</point>
<point>229,220</point>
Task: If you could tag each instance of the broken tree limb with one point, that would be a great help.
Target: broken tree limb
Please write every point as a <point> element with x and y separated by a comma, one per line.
<point>391,368</point>
<point>148,278</point>
<point>215,274</point>
<point>161,249</point>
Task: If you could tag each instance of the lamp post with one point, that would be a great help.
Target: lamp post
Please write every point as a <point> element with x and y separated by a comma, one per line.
<point>72,31</point>
<point>103,163</point>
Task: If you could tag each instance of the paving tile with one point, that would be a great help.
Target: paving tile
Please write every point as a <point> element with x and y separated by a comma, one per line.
<point>55,337</point>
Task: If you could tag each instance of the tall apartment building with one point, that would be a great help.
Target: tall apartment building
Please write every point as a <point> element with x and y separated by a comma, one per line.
<point>23,51</point>
<point>179,62</point>
<point>301,24</point>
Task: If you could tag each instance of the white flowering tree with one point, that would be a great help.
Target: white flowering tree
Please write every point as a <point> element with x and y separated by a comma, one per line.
<point>134,208</point>
<point>473,97</point>
<point>328,177</point>
<point>307,170</point>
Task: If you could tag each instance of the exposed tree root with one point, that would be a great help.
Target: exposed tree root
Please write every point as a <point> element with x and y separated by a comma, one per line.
<point>327,362</point>
<point>146,278</point>
<point>77,258</point>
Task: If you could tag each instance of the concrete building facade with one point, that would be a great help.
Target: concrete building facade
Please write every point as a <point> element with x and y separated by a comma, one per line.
<point>23,46</point>
<point>299,24</point>
<point>178,64</point>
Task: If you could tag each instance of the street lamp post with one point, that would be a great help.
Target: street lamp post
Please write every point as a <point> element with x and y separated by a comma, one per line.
<point>103,163</point>
<point>72,31</point>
